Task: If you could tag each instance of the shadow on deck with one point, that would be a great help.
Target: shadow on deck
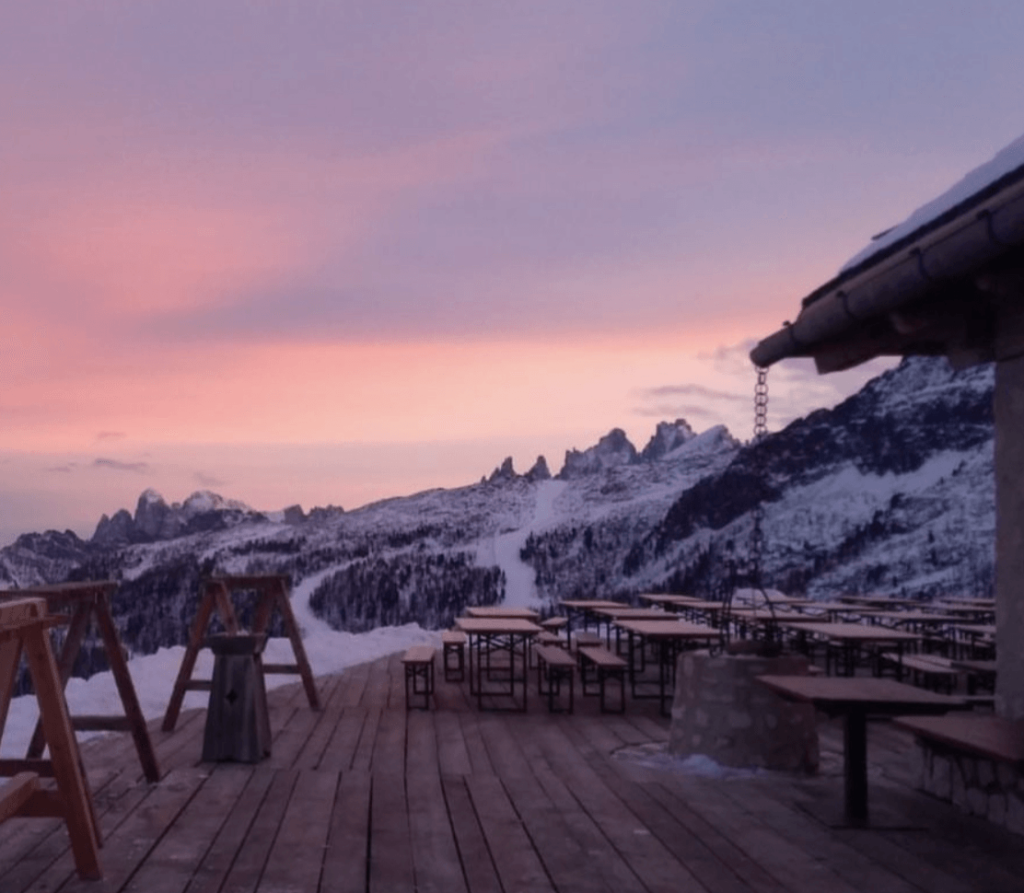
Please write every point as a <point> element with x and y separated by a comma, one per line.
<point>366,796</point>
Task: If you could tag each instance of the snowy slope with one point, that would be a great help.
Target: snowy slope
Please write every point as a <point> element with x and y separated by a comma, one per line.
<point>890,491</point>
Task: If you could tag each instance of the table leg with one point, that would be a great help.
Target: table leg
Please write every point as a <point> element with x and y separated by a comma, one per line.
<point>664,658</point>
<point>855,766</point>
<point>632,662</point>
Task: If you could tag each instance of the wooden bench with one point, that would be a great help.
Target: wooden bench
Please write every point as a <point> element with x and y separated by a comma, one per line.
<point>587,640</point>
<point>931,669</point>
<point>980,673</point>
<point>546,639</point>
<point>453,655</point>
<point>554,666</point>
<point>555,625</point>
<point>418,661</point>
<point>992,737</point>
<point>608,666</point>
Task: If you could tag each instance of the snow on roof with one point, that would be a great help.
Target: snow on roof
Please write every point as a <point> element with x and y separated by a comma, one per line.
<point>1009,161</point>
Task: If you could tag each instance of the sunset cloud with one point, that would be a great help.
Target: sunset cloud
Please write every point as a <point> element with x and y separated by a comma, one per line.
<point>116,465</point>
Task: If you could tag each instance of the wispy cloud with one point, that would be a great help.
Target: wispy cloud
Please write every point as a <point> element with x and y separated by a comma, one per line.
<point>692,390</point>
<point>116,465</point>
<point>110,435</point>
<point>208,480</point>
<point>688,411</point>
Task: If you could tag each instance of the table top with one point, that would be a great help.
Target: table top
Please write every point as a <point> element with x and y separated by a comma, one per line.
<point>659,629</point>
<point>701,605</point>
<point>924,617</point>
<point>977,629</point>
<point>497,626</point>
<point>975,666</point>
<point>763,615</point>
<point>854,632</point>
<point>625,612</point>
<point>586,604</point>
<point>500,611</point>
<point>877,600</point>
<point>665,599</point>
<point>876,695</point>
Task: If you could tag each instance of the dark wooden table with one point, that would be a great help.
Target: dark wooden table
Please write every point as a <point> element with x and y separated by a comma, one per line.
<point>855,699</point>
<point>850,637</point>
<point>501,635</point>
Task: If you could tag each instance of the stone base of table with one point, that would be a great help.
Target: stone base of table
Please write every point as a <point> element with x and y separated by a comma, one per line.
<point>722,712</point>
<point>977,785</point>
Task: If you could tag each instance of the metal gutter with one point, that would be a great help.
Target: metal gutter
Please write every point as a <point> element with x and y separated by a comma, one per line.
<point>979,233</point>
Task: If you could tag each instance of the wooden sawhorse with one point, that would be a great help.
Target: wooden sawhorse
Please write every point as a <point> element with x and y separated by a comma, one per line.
<point>273,592</point>
<point>77,604</point>
<point>24,628</point>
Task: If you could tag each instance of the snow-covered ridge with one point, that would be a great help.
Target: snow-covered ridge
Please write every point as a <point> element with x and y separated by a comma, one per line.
<point>889,491</point>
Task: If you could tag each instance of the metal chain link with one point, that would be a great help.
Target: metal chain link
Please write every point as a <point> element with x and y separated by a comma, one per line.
<point>760,432</point>
<point>756,551</point>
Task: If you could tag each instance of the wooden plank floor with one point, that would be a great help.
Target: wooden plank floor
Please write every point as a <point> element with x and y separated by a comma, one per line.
<point>366,796</point>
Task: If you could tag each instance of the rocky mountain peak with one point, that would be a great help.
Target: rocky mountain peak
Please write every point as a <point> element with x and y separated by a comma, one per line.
<point>667,437</point>
<point>540,471</point>
<point>612,450</point>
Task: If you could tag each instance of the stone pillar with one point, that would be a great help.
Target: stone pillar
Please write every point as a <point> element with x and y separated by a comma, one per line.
<point>1009,469</point>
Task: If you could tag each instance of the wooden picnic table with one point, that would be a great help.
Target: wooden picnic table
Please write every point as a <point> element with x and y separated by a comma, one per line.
<point>878,601</point>
<point>580,609</point>
<point>607,616</point>
<point>916,621</point>
<point>667,599</point>
<point>855,699</point>
<point>850,637</point>
<point>502,611</point>
<point>488,636</point>
<point>975,636</point>
<point>670,638</point>
<point>702,609</point>
<point>836,609</point>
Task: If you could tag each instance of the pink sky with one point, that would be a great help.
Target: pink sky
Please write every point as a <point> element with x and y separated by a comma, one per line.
<point>327,253</point>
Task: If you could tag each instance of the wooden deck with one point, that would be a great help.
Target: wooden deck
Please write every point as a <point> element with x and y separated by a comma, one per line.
<point>367,797</point>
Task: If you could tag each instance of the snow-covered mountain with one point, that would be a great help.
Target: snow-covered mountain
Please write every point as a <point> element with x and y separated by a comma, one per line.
<point>891,491</point>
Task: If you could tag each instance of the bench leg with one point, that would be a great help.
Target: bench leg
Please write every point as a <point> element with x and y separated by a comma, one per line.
<point>456,673</point>
<point>415,674</point>
<point>603,676</point>
<point>554,676</point>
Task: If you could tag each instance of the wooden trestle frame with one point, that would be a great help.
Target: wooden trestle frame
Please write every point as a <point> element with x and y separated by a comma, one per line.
<point>24,629</point>
<point>217,595</point>
<point>77,605</point>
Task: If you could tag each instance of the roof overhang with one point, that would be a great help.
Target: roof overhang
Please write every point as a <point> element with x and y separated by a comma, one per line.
<point>937,292</point>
